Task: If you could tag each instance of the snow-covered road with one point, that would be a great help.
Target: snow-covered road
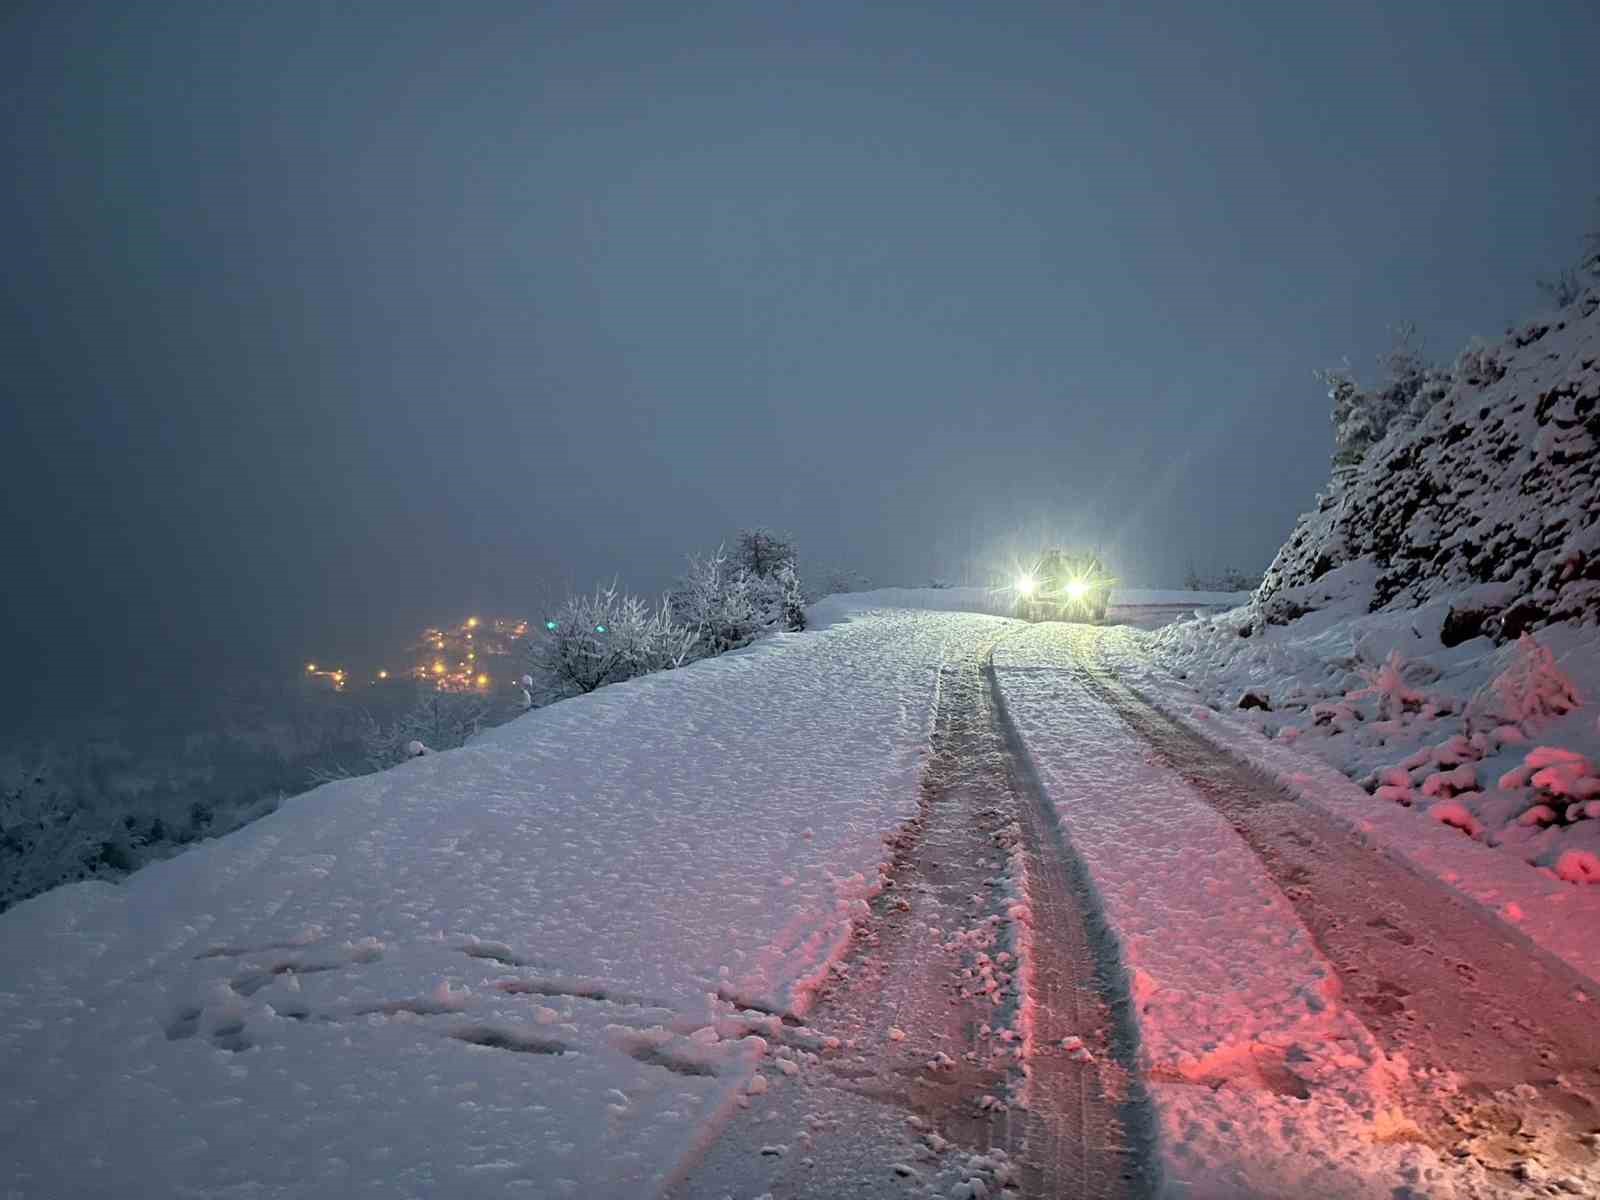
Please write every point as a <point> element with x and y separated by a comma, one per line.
<point>736,929</point>
<point>1374,1031</point>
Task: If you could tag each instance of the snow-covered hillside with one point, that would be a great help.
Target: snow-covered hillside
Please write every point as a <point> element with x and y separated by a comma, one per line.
<point>1492,498</point>
<point>1431,627</point>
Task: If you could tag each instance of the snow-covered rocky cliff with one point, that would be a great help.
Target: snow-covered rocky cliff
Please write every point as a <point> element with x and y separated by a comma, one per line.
<point>1494,493</point>
<point>1432,627</point>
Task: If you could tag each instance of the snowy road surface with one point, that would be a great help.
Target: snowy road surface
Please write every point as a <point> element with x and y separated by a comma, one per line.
<point>851,912</point>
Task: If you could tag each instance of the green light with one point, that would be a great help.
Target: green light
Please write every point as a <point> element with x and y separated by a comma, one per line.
<point>550,625</point>
<point>599,628</point>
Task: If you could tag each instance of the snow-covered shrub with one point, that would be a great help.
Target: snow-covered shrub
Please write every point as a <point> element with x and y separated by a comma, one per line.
<point>1362,416</point>
<point>605,638</point>
<point>1531,688</point>
<point>1388,685</point>
<point>1355,425</point>
<point>1404,373</point>
<point>716,599</point>
<point>728,604</point>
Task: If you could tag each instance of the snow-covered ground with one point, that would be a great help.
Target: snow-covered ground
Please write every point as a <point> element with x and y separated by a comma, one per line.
<point>553,962</point>
<point>517,968</point>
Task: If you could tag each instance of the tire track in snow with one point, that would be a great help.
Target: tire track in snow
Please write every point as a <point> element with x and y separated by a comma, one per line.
<point>1503,1050</point>
<point>1076,988</point>
<point>915,1086</point>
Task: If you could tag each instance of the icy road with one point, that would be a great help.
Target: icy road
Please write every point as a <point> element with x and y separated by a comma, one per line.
<point>916,904</point>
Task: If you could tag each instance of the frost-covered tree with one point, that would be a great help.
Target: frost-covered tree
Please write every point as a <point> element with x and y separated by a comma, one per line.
<point>1355,427</point>
<point>728,605</point>
<point>605,638</point>
<point>762,553</point>
<point>791,599</point>
<point>1404,372</point>
<point>1361,416</point>
<point>715,599</point>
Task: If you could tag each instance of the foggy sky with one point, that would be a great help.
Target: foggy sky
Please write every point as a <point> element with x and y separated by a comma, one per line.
<point>321,321</point>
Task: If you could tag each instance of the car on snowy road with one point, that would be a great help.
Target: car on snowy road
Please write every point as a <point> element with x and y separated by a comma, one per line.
<point>1063,587</point>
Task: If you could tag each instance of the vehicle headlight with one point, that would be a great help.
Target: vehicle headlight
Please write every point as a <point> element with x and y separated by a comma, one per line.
<point>1026,584</point>
<point>1077,589</point>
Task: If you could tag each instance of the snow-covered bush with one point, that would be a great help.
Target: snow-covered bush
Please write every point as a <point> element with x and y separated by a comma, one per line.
<point>1531,689</point>
<point>605,638</point>
<point>728,603</point>
<point>1388,685</point>
<point>717,600</point>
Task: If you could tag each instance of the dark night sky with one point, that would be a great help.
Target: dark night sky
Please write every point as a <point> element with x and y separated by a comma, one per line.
<point>324,320</point>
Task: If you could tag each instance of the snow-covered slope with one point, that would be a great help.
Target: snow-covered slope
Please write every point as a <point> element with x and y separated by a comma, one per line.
<point>1497,485</point>
<point>532,966</point>
<point>1431,628</point>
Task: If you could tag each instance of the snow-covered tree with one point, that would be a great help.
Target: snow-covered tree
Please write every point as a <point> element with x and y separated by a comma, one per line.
<point>762,552</point>
<point>1404,371</point>
<point>605,638</point>
<point>1361,416</point>
<point>1355,426</point>
<point>716,600</point>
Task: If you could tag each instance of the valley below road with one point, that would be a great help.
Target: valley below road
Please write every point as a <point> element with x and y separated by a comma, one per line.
<point>918,903</point>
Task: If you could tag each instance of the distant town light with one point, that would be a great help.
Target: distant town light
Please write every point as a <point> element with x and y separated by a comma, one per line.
<point>472,622</point>
<point>311,666</point>
<point>383,674</point>
<point>438,668</point>
<point>483,681</point>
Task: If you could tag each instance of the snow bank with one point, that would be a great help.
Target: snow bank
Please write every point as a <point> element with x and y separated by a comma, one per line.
<point>542,964</point>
